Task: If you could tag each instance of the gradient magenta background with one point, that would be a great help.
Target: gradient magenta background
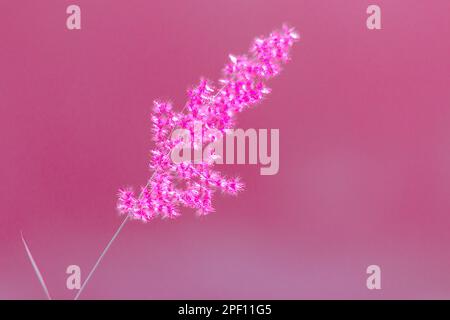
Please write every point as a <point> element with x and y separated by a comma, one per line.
<point>364,121</point>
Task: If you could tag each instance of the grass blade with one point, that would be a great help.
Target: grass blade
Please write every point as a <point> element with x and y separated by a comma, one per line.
<point>35,267</point>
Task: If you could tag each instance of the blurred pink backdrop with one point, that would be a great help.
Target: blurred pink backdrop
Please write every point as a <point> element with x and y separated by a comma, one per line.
<point>364,178</point>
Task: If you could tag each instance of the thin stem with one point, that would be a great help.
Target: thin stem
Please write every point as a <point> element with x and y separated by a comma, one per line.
<point>101,256</point>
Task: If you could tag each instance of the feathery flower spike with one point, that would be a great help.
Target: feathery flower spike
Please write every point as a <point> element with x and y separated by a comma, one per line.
<point>188,184</point>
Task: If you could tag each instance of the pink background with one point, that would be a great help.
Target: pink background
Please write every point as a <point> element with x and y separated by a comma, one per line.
<point>364,121</point>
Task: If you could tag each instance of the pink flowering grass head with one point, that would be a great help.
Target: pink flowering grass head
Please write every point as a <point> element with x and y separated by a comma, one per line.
<point>193,184</point>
